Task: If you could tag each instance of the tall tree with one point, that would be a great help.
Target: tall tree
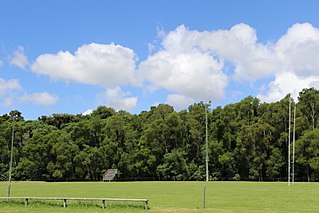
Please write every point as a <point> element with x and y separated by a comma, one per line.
<point>309,105</point>
<point>307,153</point>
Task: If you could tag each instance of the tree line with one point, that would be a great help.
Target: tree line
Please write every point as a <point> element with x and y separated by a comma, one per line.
<point>247,140</point>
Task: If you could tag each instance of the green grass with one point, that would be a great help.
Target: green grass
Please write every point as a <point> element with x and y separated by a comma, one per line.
<point>222,197</point>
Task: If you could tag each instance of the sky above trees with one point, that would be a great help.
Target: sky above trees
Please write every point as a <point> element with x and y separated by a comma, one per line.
<point>70,57</point>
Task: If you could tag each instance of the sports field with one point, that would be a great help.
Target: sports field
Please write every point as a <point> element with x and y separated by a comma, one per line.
<point>168,196</point>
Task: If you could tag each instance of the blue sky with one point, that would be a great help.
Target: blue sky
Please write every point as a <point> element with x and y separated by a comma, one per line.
<point>72,56</point>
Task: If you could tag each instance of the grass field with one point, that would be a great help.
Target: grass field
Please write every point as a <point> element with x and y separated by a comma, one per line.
<point>222,197</point>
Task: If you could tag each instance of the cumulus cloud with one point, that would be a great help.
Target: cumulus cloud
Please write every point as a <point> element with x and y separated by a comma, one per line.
<point>9,85</point>
<point>87,112</point>
<point>18,58</point>
<point>286,83</point>
<point>194,75</point>
<point>42,98</point>
<point>292,60</point>
<point>188,63</point>
<point>179,102</point>
<point>120,100</point>
<point>193,65</point>
<point>184,68</point>
<point>11,90</point>
<point>297,52</point>
<point>107,65</point>
<point>252,60</point>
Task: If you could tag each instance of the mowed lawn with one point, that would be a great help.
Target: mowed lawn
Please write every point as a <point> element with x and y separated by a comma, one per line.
<point>168,196</point>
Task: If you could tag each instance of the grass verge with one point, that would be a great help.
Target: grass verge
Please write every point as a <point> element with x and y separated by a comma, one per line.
<point>222,197</point>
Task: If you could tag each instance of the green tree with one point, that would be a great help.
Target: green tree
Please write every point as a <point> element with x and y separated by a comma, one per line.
<point>174,166</point>
<point>309,105</point>
<point>36,151</point>
<point>103,112</point>
<point>307,153</point>
<point>63,152</point>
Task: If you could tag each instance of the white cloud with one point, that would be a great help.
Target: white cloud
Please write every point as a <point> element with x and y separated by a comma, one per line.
<point>120,100</point>
<point>9,85</point>
<point>238,45</point>
<point>107,65</point>
<point>10,94</point>
<point>185,69</point>
<point>298,50</point>
<point>286,83</point>
<point>8,89</point>
<point>292,60</point>
<point>179,102</point>
<point>18,58</point>
<point>42,98</point>
<point>7,101</point>
<point>87,112</point>
<point>194,75</point>
<point>190,64</point>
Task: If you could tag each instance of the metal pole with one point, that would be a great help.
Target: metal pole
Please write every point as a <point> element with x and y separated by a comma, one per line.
<point>11,157</point>
<point>204,197</point>
<point>289,141</point>
<point>293,148</point>
<point>207,176</point>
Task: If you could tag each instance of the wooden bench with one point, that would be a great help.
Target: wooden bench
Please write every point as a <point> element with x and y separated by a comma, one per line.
<point>27,199</point>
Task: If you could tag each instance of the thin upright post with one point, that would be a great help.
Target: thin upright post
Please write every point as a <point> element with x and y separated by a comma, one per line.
<point>11,158</point>
<point>206,147</point>
<point>289,141</point>
<point>293,147</point>
<point>204,196</point>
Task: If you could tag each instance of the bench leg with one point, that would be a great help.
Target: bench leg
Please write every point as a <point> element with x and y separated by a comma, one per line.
<point>103,204</point>
<point>26,202</point>
<point>146,205</point>
<point>64,203</point>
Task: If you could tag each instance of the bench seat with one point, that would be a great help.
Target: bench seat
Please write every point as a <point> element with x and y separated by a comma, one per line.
<point>64,199</point>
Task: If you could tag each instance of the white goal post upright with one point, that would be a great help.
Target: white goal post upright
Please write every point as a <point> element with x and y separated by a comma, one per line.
<point>293,147</point>
<point>291,175</point>
<point>206,139</point>
<point>289,120</point>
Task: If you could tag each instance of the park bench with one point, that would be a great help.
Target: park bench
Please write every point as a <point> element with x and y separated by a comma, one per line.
<point>64,199</point>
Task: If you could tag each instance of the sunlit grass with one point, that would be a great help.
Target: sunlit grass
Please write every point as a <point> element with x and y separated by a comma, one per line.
<point>167,196</point>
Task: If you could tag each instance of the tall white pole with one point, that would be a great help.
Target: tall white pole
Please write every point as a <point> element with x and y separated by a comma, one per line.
<point>289,141</point>
<point>206,159</point>
<point>11,158</point>
<point>293,147</point>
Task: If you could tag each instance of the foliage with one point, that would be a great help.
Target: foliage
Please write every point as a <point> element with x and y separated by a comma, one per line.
<point>247,140</point>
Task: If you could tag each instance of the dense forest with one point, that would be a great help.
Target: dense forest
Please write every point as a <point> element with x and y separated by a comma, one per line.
<point>247,140</point>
